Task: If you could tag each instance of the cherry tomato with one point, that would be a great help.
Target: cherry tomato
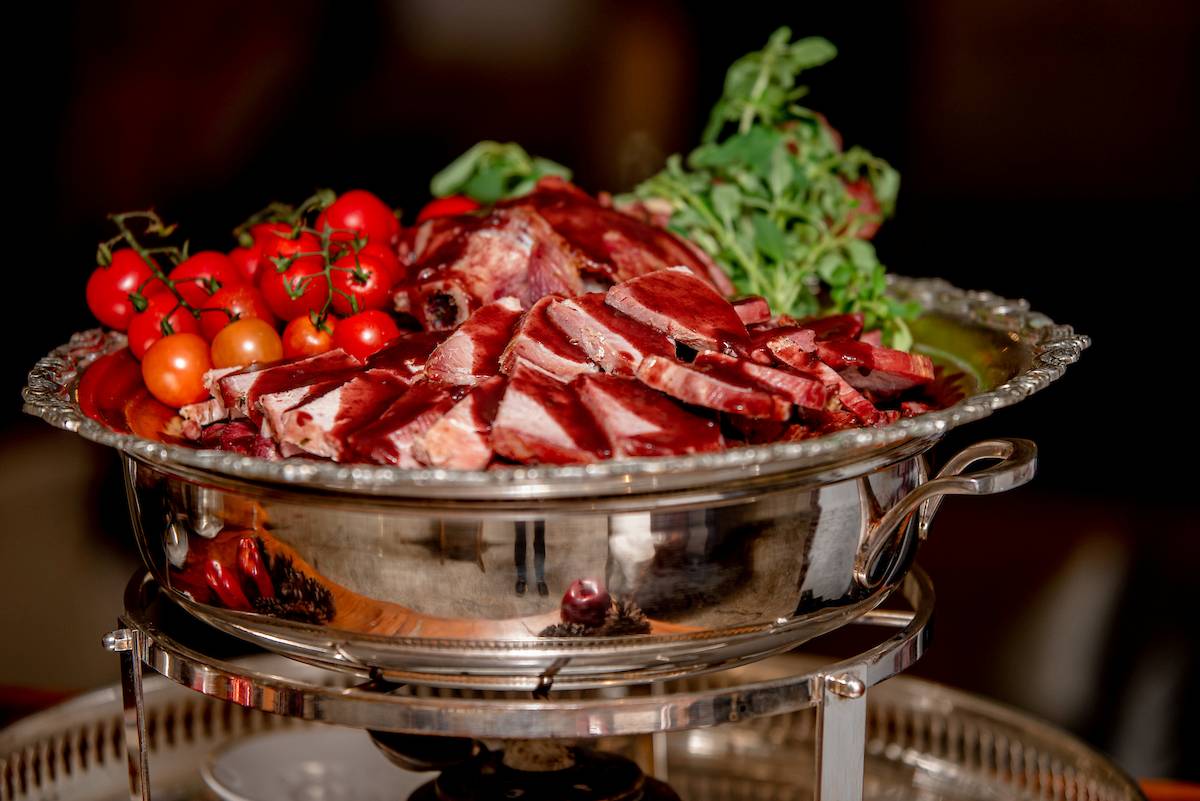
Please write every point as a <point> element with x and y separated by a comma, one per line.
<point>302,338</point>
<point>108,288</point>
<point>363,278</point>
<point>243,301</point>
<point>249,263</point>
<point>447,207</point>
<point>146,327</point>
<point>280,244</point>
<point>198,277</point>
<point>386,256</point>
<point>245,342</point>
<point>266,233</point>
<point>363,213</point>
<point>300,289</point>
<point>174,367</point>
<point>362,334</point>
<point>868,214</point>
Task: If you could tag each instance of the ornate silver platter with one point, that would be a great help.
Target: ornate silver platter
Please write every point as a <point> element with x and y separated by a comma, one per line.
<point>1007,351</point>
<point>455,578</point>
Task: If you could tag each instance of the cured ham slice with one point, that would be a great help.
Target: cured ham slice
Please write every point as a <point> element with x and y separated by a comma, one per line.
<point>472,352</point>
<point>613,341</point>
<point>542,344</point>
<point>722,392</point>
<point>641,422</point>
<point>462,438</point>
<point>683,307</point>
<point>543,420</point>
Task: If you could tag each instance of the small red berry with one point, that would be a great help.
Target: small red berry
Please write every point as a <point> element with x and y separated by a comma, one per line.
<point>586,602</point>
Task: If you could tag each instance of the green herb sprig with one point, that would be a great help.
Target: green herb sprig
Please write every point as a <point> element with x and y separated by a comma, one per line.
<point>493,171</point>
<point>765,194</point>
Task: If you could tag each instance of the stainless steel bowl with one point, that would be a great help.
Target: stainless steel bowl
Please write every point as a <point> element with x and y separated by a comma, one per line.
<point>455,577</point>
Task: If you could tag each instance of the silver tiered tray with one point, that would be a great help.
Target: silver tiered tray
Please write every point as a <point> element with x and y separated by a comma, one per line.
<point>453,578</point>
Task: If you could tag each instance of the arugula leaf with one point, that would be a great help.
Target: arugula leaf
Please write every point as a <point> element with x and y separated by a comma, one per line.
<point>492,171</point>
<point>766,194</point>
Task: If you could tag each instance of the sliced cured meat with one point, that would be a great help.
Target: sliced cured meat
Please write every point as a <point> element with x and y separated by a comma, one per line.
<point>405,357</point>
<point>806,392</point>
<point>544,345</point>
<point>389,440</point>
<point>615,342</point>
<point>240,390</point>
<point>472,352</point>
<point>321,424</point>
<point>462,438</point>
<point>836,326</point>
<point>543,420</point>
<point>641,422</point>
<point>807,363</point>
<point>476,260</point>
<point>722,392</point>
<point>616,245</point>
<point>274,405</point>
<point>881,370</point>
<point>238,437</point>
<point>683,307</point>
<point>753,310</point>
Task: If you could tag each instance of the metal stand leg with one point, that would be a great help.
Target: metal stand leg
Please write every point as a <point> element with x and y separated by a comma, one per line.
<point>841,738</point>
<point>125,643</point>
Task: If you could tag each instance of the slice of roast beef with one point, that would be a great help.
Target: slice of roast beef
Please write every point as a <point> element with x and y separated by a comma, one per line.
<point>541,420</point>
<point>753,310</point>
<point>685,308</point>
<point>835,326</point>
<point>544,345</point>
<point>615,342</point>
<point>616,245</point>
<point>472,352</point>
<point>321,424</point>
<point>789,349</point>
<point>510,252</point>
<point>274,405</point>
<point>240,390</point>
<point>880,370</point>
<point>641,422</point>
<point>462,438</point>
<point>238,437</point>
<point>722,392</point>
<point>806,392</point>
<point>404,357</point>
<point>212,410</point>
<point>796,341</point>
<point>389,440</point>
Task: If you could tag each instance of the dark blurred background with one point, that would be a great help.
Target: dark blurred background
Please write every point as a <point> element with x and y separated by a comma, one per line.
<point>1048,151</point>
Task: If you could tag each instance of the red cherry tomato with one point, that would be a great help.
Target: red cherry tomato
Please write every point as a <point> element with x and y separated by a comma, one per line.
<point>447,207</point>
<point>387,257</point>
<point>361,212</point>
<point>198,277</point>
<point>302,338</point>
<point>264,234</point>
<point>108,288</point>
<point>245,342</point>
<point>280,244</point>
<point>362,278</point>
<point>243,301</point>
<point>249,263</point>
<point>174,367</point>
<point>300,289</point>
<point>362,334</point>
<point>868,215</point>
<point>146,327</point>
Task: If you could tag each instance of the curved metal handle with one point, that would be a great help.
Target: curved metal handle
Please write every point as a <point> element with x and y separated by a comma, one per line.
<point>1018,463</point>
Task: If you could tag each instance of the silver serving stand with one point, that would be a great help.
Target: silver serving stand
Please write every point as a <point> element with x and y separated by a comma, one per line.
<point>837,692</point>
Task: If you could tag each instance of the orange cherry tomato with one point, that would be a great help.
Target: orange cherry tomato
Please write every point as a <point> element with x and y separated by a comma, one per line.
<point>245,342</point>
<point>302,338</point>
<point>174,367</point>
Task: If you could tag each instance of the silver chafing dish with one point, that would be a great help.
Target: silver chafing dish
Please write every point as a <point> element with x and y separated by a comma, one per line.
<point>454,578</point>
